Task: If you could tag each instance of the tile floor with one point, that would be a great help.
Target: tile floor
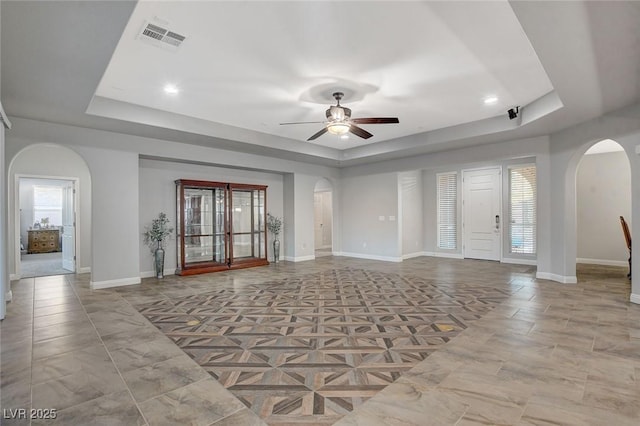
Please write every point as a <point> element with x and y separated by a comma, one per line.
<point>544,353</point>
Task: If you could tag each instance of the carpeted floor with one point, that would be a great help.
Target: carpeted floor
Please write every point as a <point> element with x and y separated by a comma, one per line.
<point>42,265</point>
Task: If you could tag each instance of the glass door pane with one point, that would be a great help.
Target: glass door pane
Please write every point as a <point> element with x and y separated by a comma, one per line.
<point>259,223</point>
<point>242,224</point>
<point>204,225</point>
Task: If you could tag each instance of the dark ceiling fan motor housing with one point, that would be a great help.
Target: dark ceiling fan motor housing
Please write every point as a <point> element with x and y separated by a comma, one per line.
<point>339,115</point>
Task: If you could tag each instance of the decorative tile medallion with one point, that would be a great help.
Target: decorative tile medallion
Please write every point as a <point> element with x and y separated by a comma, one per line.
<point>310,349</point>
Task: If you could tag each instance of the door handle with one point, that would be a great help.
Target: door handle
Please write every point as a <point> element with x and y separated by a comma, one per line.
<point>497,221</point>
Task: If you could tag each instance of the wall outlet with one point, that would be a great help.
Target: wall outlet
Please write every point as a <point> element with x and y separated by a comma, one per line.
<point>392,218</point>
<point>381,218</point>
<point>364,245</point>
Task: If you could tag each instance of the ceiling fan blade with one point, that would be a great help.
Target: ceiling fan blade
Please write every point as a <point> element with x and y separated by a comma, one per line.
<point>359,132</point>
<point>317,135</point>
<point>303,122</point>
<point>376,120</point>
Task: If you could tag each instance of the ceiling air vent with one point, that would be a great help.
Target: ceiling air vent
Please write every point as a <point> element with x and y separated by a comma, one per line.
<point>161,37</point>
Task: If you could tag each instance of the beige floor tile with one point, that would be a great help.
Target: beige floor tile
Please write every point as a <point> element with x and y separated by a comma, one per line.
<point>548,354</point>
<point>159,378</point>
<point>204,402</point>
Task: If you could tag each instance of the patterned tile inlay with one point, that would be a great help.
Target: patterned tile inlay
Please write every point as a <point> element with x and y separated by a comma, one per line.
<point>312,348</point>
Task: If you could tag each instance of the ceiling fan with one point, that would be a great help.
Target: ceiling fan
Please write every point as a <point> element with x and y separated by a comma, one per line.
<point>339,121</point>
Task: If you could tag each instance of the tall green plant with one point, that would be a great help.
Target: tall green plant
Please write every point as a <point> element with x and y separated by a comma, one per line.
<point>274,224</point>
<point>156,234</point>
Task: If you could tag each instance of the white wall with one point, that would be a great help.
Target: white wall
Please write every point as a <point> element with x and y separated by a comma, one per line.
<point>303,188</point>
<point>52,161</point>
<point>603,186</point>
<point>411,218</point>
<point>158,194</point>
<point>567,148</point>
<point>5,287</point>
<point>114,215</point>
<point>368,202</point>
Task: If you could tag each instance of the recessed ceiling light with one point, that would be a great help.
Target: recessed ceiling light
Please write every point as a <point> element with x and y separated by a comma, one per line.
<point>171,89</point>
<point>490,100</point>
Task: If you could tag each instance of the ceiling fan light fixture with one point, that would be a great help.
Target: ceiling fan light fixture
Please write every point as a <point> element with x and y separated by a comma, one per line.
<point>338,128</point>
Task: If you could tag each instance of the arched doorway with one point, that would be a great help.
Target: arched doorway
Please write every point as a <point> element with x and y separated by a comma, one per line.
<point>323,218</point>
<point>603,194</point>
<point>45,170</point>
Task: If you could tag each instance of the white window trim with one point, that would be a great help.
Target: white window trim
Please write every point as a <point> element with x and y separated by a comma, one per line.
<point>454,174</point>
<point>509,253</point>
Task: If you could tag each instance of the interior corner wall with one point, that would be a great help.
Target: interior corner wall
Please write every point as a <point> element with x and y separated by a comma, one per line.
<point>603,185</point>
<point>411,220</point>
<point>369,206</point>
<point>566,149</point>
<point>158,194</point>
<point>288,228</point>
<point>50,161</point>
<point>115,216</point>
<point>4,227</point>
<point>430,211</point>
<point>304,187</point>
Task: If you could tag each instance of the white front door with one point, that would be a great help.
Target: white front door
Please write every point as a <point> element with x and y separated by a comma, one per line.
<point>481,214</point>
<point>68,227</point>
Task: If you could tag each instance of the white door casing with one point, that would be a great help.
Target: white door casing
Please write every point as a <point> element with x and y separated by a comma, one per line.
<point>68,227</point>
<point>482,214</point>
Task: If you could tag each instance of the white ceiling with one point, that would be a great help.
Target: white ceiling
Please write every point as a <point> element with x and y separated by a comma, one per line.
<point>255,65</point>
<point>247,66</point>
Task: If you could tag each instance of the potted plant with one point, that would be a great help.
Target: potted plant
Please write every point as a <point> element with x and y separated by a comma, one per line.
<point>155,236</point>
<point>274,225</point>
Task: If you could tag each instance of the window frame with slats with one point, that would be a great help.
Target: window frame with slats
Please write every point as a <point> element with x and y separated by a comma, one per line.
<point>48,202</point>
<point>447,210</point>
<point>523,205</point>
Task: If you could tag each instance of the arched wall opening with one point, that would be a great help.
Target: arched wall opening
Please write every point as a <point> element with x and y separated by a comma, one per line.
<point>603,194</point>
<point>323,226</point>
<point>50,161</point>
<point>569,237</point>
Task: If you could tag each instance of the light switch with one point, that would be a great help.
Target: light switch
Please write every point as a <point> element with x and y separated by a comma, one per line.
<point>392,218</point>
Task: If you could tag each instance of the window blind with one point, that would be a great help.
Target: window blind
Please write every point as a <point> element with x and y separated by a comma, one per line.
<point>47,202</point>
<point>447,210</point>
<point>522,209</point>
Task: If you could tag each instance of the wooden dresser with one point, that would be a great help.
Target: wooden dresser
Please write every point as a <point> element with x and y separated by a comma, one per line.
<point>43,240</point>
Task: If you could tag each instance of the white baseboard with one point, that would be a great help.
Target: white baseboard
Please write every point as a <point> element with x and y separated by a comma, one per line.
<point>98,285</point>
<point>602,262</point>
<point>555,277</point>
<point>443,254</point>
<point>85,270</point>
<point>516,261</point>
<point>634,298</point>
<point>372,257</point>
<point>14,277</point>
<point>151,274</point>
<point>299,258</point>
<point>412,255</point>
<point>8,296</point>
